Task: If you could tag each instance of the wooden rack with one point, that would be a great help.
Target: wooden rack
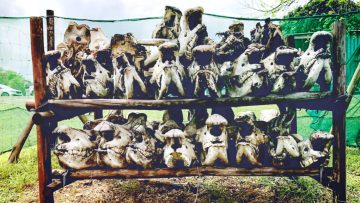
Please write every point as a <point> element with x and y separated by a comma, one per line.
<point>49,112</point>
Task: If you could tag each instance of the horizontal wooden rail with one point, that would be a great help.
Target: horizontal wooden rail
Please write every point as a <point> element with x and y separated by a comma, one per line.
<point>183,172</point>
<point>187,103</point>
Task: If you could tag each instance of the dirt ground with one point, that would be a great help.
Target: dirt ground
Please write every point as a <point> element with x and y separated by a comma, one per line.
<point>202,189</point>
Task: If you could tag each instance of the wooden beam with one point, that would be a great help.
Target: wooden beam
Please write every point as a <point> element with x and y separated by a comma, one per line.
<point>43,150</point>
<point>339,112</point>
<point>50,27</point>
<point>186,103</point>
<point>183,172</point>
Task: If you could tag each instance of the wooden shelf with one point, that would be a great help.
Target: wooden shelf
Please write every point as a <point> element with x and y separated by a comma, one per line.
<point>299,97</point>
<point>183,172</point>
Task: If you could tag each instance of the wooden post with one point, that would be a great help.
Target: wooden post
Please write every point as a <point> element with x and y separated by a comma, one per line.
<point>339,113</point>
<point>43,150</point>
<point>50,27</point>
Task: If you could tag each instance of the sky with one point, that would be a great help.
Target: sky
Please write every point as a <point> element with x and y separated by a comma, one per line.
<point>14,34</point>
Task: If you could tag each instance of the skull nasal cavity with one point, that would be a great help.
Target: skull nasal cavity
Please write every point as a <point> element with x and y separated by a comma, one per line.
<point>176,144</point>
<point>78,38</point>
<point>215,131</point>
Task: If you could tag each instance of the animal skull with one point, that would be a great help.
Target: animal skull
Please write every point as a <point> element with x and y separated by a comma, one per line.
<point>142,149</point>
<point>215,140</point>
<point>126,43</point>
<point>204,72</point>
<point>286,147</point>
<point>178,151</point>
<point>75,148</point>
<point>127,81</point>
<point>321,141</point>
<point>308,154</point>
<point>170,27</point>
<point>98,40</point>
<point>113,143</point>
<point>77,37</point>
<point>248,76</point>
<point>168,72</point>
<point>61,83</point>
<point>316,61</point>
<point>97,79</point>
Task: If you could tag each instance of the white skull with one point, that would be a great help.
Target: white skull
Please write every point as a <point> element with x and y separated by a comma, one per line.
<point>77,36</point>
<point>316,61</point>
<point>97,79</point>
<point>308,154</point>
<point>215,140</point>
<point>113,143</point>
<point>127,81</point>
<point>178,151</point>
<point>98,40</point>
<point>75,148</point>
<point>286,147</point>
<point>170,27</point>
<point>168,72</point>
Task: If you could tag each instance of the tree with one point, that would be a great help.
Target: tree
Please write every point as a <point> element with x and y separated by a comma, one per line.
<point>14,80</point>
<point>321,7</point>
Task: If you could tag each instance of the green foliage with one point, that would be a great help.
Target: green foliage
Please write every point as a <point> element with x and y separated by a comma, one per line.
<point>322,7</point>
<point>14,80</point>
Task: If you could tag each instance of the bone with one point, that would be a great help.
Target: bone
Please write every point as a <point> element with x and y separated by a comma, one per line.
<point>113,143</point>
<point>127,79</point>
<point>215,141</point>
<point>98,40</point>
<point>75,149</point>
<point>268,114</point>
<point>77,36</point>
<point>316,62</point>
<point>169,28</point>
<point>178,151</point>
<point>309,156</point>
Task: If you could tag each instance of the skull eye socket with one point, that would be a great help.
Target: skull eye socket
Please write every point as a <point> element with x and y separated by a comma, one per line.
<point>108,135</point>
<point>306,149</point>
<point>64,138</point>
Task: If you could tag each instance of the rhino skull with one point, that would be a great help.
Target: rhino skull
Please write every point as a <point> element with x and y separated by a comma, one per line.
<point>61,83</point>
<point>308,154</point>
<point>98,40</point>
<point>77,36</point>
<point>178,151</point>
<point>127,81</point>
<point>248,75</point>
<point>113,143</point>
<point>170,27</point>
<point>316,61</point>
<point>204,72</point>
<point>141,150</point>
<point>75,148</point>
<point>97,79</point>
<point>286,147</point>
<point>126,43</point>
<point>168,72</point>
<point>215,140</point>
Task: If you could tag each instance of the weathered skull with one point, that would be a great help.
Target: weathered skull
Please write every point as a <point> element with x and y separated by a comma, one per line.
<point>268,114</point>
<point>114,116</point>
<point>127,81</point>
<point>204,72</point>
<point>316,61</point>
<point>77,36</point>
<point>308,154</point>
<point>168,72</point>
<point>193,32</point>
<point>170,27</point>
<point>98,40</point>
<point>271,37</point>
<point>256,33</point>
<point>97,79</point>
<point>113,143</point>
<point>286,147</point>
<point>215,140</point>
<point>178,151</point>
<point>248,76</point>
<point>126,43</point>
<point>321,141</point>
<point>61,83</point>
<point>75,148</point>
<point>280,67</point>
<point>232,44</point>
<point>141,151</point>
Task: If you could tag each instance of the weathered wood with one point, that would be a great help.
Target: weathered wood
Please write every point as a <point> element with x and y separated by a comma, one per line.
<point>50,27</point>
<point>41,117</point>
<point>185,103</point>
<point>16,149</point>
<point>154,42</point>
<point>339,68</point>
<point>194,171</point>
<point>98,114</point>
<point>43,151</point>
<point>29,105</point>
